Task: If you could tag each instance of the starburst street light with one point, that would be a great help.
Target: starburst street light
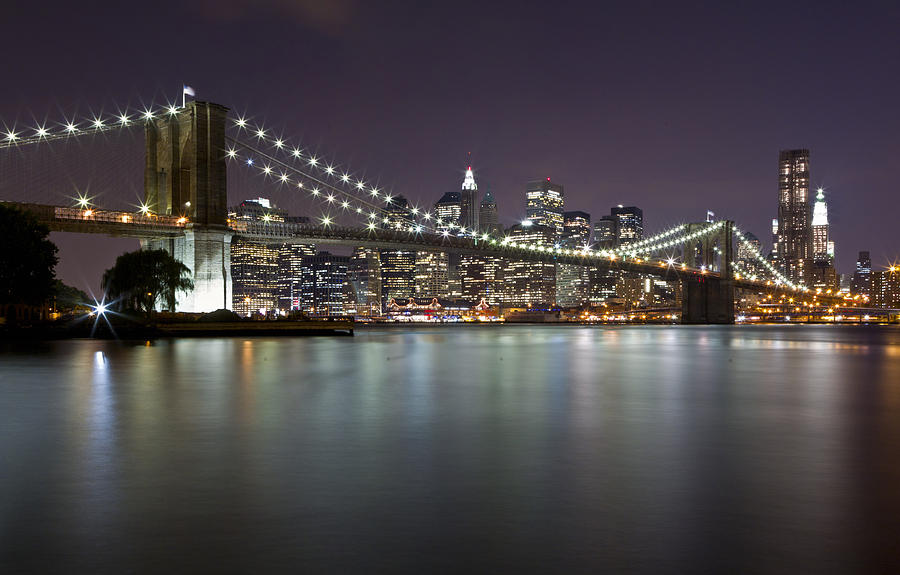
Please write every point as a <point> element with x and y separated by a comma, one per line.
<point>231,153</point>
<point>326,221</point>
<point>145,209</point>
<point>41,132</point>
<point>83,201</point>
<point>11,135</point>
<point>70,127</point>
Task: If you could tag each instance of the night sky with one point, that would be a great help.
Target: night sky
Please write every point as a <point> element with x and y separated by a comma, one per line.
<point>675,108</point>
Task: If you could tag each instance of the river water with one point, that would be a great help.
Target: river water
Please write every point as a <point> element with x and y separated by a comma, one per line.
<point>551,449</point>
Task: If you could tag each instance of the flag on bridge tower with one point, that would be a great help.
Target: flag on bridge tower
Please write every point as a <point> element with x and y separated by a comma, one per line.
<point>185,92</point>
<point>710,216</point>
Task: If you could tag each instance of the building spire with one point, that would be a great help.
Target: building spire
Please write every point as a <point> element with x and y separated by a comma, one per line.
<point>469,182</point>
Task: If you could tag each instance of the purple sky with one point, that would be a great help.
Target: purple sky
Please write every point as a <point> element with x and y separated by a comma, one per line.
<point>676,109</point>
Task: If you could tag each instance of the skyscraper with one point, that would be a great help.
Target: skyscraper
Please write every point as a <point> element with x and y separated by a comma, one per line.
<point>862,279</point>
<point>468,205</point>
<point>886,288</point>
<point>479,278</point>
<point>794,230</point>
<point>290,274</point>
<point>528,282</point>
<point>364,281</point>
<point>629,224</point>
<point>572,281</point>
<point>576,229</point>
<point>487,214</point>
<point>398,267</point>
<point>448,209</point>
<point>606,232</point>
<point>544,203</point>
<point>323,287</point>
<point>432,275</point>
<point>822,272</point>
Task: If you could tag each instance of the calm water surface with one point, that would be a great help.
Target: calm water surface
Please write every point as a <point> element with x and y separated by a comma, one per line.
<point>459,449</point>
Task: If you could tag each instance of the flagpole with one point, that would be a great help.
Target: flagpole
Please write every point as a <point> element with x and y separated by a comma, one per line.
<point>183,97</point>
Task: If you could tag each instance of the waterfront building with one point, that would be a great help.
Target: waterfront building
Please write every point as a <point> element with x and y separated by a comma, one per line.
<point>364,282</point>
<point>480,279</point>
<point>468,205</point>
<point>324,277</point>
<point>398,275</point>
<point>265,278</point>
<point>629,224</point>
<point>544,202</point>
<point>573,281</point>
<point>432,275</point>
<point>447,210</point>
<point>602,284</point>
<point>290,273</point>
<point>488,220</point>
<point>254,277</point>
<point>530,283</point>
<point>398,267</point>
<point>886,288</point>
<point>795,250</point>
<point>862,279</point>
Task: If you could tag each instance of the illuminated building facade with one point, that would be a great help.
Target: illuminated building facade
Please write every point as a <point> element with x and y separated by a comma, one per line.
<point>364,282</point>
<point>324,277</point>
<point>529,283</point>
<point>822,272</point>
<point>795,249</point>
<point>398,267</point>
<point>290,273</point>
<point>448,209</point>
<point>862,279</point>
<point>886,288</point>
<point>746,260</point>
<point>468,205</point>
<point>629,224</point>
<point>606,232</point>
<point>480,278</point>
<point>254,277</point>
<point>398,275</point>
<point>573,281</point>
<point>432,276</point>
<point>488,220</point>
<point>544,203</point>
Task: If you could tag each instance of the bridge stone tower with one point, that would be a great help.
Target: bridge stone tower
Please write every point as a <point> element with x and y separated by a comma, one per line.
<point>185,175</point>
<point>709,299</point>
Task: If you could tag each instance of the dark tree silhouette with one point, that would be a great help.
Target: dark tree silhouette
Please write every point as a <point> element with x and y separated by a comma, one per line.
<point>140,279</point>
<point>27,258</point>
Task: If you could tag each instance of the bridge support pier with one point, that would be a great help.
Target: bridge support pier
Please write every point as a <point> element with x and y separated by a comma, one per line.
<point>207,252</point>
<point>707,300</point>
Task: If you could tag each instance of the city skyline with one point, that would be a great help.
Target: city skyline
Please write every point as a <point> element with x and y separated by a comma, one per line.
<point>697,129</point>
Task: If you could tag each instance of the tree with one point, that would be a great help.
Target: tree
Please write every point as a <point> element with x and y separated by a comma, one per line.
<point>27,258</point>
<point>68,297</point>
<point>140,279</point>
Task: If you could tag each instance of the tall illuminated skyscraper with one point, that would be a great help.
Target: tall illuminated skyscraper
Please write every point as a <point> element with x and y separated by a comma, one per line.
<point>544,203</point>
<point>820,230</point>
<point>795,238</point>
<point>448,210</point>
<point>468,205</point>
<point>528,283</point>
<point>629,224</point>
<point>432,275</point>
<point>398,267</point>
<point>487,214</point>
<point>364,279</point>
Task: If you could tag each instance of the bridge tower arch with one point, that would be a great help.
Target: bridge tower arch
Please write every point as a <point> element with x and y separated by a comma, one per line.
<point>185,174</point>
<point>708,299</point>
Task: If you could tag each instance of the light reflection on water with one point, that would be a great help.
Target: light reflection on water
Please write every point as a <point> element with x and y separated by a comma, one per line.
<point>552,448</point>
